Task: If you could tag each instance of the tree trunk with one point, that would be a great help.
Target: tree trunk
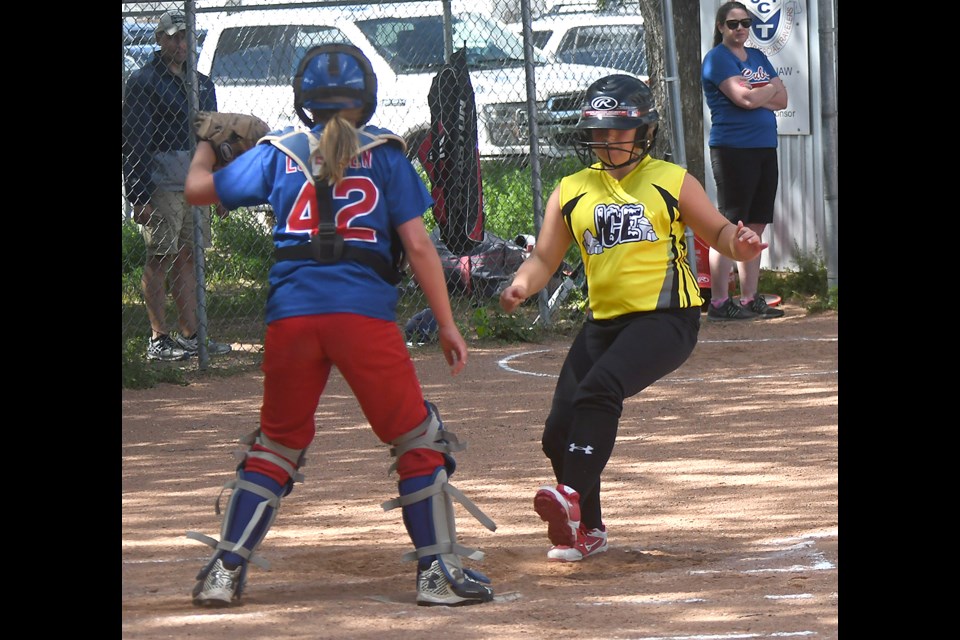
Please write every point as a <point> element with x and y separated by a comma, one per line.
<point>686,27</point>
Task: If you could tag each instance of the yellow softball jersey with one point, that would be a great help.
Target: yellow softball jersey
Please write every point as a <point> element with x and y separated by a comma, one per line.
<point>631,239</point>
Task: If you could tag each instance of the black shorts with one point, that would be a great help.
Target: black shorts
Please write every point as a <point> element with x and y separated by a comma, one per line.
<point>746,183</point>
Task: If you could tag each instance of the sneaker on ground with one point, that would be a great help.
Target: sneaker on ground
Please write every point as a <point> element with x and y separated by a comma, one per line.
<point>192,346</point>
<point>219,588</point>
<point>435,588</point>
<point>164,348</point>
<point>760,307</point>
<point>560,508</point>
<point>589,543</point>
<point>730,310</point>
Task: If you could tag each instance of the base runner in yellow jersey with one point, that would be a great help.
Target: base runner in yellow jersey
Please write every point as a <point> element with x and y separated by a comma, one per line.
<point>628,213</point>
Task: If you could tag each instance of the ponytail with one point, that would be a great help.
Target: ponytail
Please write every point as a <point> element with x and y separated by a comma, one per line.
<point>338,146</point>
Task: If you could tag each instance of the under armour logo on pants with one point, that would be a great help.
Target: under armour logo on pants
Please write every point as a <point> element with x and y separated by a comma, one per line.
<point>587,449</point>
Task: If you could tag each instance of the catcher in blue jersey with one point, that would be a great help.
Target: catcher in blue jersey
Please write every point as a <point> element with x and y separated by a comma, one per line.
<point>627,212</point>
<point>348,207</point>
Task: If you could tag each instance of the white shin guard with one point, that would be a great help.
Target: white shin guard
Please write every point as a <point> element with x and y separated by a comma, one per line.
<point>440,495</point>
<point>260,521</point>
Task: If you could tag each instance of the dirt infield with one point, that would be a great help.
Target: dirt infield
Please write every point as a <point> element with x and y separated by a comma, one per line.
<point>721,501</point>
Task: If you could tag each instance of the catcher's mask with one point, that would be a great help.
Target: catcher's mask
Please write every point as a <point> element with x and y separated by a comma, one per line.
<point>332,77</point>
<point>617,102</point>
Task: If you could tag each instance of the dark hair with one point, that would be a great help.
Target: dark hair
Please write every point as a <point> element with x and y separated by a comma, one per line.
<point>722,13</point>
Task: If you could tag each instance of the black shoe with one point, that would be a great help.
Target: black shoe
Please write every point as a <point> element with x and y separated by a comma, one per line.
<point>760,307</point>
<point>730,310</point>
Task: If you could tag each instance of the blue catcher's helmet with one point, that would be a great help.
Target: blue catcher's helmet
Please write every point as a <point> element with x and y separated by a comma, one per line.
<point>333,77</point>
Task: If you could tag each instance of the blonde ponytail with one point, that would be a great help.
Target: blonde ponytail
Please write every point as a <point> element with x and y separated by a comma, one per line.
<point>338,146</point>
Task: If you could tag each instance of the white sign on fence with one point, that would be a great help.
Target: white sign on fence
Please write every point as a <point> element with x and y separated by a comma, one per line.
<point>780,31</point>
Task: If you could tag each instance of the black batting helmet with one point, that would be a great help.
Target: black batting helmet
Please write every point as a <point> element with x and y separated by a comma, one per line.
<point>617,102</point>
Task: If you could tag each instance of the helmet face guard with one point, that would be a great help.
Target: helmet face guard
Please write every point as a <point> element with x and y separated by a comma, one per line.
<point>617,102</point>
<point>586,148</point>
<point>332,77</point>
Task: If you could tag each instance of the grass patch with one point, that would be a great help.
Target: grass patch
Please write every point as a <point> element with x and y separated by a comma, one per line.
<point>139,373</point>
<point>806,286</point>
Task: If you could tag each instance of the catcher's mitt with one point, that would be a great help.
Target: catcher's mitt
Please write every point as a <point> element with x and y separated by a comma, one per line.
<point>231,134</point>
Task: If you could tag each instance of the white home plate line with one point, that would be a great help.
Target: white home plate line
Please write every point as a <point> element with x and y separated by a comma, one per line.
<point>504,363</point>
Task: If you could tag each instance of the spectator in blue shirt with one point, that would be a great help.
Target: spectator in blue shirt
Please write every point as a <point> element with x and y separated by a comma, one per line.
<point>742,90</point>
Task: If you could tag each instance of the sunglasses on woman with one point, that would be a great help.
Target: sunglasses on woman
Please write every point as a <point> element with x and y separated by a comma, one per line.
<point>745,23</point>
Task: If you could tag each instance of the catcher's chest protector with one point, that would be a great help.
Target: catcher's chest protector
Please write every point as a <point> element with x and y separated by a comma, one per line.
<point>327,245</point>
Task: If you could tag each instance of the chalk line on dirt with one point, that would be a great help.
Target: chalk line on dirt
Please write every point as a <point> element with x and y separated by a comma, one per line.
<point>504,363</point>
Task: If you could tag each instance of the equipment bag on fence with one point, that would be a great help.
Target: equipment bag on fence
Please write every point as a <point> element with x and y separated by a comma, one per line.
<point>451,157</point>
<point>483,271</point>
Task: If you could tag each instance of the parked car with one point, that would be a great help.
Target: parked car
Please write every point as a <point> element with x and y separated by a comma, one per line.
<point>587,37</point>
<point>252,57</point>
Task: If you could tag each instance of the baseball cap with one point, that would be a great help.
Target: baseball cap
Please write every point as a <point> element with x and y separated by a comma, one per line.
<point>171,22</point>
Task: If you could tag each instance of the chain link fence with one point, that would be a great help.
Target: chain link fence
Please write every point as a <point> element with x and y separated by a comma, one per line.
<point>526,101</point>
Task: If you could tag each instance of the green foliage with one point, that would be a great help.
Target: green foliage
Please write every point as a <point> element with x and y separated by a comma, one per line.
<point>242,248</point>
<point>133,253</point>
<point>490,323</point>
<point>508,196</point>
<point>808,283</point>
<point>139,373</point>
<point>830,303</point>
<point>508,193</point>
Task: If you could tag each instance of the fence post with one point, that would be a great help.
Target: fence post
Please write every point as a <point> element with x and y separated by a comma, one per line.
<point>193,80</point>
<point>536,182</point>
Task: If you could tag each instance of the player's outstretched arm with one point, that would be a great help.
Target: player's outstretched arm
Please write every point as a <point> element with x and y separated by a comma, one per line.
<point>735,241</point>
<point>428,271</point>
<point>535,272</point>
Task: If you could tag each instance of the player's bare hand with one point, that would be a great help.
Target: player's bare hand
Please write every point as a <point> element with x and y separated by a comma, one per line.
<point>142,213</point>
<point>512,297</point>
<point>749,244</point>
<point>454,348</point>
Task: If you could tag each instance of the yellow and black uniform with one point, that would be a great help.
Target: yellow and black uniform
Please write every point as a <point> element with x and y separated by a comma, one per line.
<point>645,306</point>
<point>631,238</point>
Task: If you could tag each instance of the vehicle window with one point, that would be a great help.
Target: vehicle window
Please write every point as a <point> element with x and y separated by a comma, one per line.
<point>407,44</point>
<point>136,33</point>
<point>415,44</point>
<point>489,45</point>
<point>267,54</point>
<point>619,46</point>
<point>145,35</point>
<point>540,38</point>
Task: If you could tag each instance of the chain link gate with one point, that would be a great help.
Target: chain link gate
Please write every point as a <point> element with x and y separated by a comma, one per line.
<point>250,53</point>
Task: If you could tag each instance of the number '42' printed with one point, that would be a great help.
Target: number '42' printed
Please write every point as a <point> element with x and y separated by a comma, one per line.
<point>304,217</point>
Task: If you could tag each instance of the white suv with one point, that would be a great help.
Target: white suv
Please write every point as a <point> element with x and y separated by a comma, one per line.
<point>603,39</point>
<point>251,56</point>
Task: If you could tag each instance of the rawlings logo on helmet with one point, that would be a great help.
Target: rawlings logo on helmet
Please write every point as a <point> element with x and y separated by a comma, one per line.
<point>604,103</point>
